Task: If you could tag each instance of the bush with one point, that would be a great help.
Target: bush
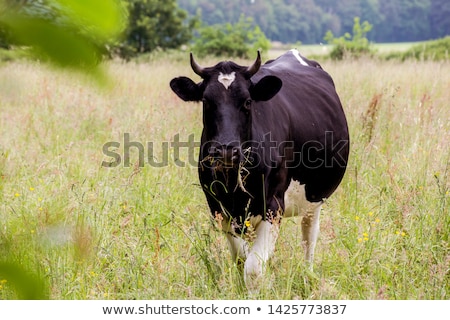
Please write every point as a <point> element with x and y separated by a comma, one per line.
<point>14,55</point>
<point>430,50</point>
<point>242,39</point>
<point>348,45</point>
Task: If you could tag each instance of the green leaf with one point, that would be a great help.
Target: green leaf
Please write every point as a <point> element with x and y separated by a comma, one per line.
<point>27,285</point>
<point>77,36</point>
<point>60,44</point>
<point>105,19</point>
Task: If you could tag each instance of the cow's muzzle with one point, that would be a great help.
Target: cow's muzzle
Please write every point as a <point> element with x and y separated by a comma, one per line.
<point>226,155</point>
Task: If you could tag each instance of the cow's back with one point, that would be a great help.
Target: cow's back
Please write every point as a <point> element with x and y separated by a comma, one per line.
<point>307,112</point>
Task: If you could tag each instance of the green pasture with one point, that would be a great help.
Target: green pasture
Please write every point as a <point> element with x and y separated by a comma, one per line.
<point>82,230</point>
<point>324,49</point>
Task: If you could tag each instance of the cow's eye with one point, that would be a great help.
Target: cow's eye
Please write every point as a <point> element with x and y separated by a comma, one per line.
<point>248,103</point>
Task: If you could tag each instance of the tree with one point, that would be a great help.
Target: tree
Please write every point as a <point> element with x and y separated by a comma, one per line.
<point>154,24</point>
<point>306,20</point>
<point>404,20</point>
<point>439,17</point>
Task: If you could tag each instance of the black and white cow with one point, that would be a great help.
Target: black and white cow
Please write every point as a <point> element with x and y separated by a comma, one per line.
<point>267,128</point>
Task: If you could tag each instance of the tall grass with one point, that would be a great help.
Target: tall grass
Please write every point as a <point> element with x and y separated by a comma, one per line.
<point>91,232</point>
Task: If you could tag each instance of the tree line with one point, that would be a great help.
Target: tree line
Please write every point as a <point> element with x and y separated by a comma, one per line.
<point>290,21</point>
<point>211,26</point>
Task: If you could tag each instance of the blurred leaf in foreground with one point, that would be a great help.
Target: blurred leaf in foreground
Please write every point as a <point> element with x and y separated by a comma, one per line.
<point>26,285</point>
<point>67,33</point>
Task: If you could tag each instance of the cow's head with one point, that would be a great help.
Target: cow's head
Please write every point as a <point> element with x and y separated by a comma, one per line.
<point>227,93</point>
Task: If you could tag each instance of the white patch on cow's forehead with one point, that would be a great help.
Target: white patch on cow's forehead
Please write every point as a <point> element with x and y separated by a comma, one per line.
<point>226,79</point>
<point>299,58</point>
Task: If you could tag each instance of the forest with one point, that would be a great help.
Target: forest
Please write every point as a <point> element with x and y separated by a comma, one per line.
<point>307,21</point>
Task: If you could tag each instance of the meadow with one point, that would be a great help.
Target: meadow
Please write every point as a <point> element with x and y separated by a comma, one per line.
<point>89,231</point>
<point>322,50</point>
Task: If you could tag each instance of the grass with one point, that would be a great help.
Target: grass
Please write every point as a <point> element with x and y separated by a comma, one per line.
<point>91,232</point>
<point>318,51</point>
<point>395,46</point>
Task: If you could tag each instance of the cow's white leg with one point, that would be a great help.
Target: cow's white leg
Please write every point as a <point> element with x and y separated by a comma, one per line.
<point>238,247</point>
<point>310,230</point>
<point>298,205</point>
<point>262,249</point>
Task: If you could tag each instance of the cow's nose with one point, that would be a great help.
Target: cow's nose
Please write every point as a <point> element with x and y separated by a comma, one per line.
<point>234,155</point>
<point>215,152</point>
<point>229,155</point>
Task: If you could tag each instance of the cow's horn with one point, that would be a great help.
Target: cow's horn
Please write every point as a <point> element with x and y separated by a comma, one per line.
<point>196,67</point>
<point>254,67</point>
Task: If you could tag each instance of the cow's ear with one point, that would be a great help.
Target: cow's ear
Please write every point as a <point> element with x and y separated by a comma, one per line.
<point>266,88</point>
<point>186,89</point>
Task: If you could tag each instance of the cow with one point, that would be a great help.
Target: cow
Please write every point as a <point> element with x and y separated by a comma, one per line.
<point>266,129</point>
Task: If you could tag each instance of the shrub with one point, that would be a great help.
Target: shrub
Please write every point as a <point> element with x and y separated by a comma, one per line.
<point>14,55</point>
<point>242,39</point>
<point>355,45</point>
<point>429,50</point>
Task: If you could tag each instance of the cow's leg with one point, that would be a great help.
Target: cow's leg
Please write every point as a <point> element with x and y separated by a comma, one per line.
<point>262,249</point>
<point>238,247</point>
<point>298,205</point>
<point>310,229</point>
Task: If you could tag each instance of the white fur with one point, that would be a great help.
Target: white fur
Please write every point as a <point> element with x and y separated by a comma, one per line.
<point>226,79</point>
<point>310,232</point>
<point>299,58</point>
<point>257,254</point>
<point>238,247</point>
<point>297,205</point>
<point>262,249</point>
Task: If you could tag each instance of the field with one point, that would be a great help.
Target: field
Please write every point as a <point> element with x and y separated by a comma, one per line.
<point>83,230</point>
<point>318,50</point>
